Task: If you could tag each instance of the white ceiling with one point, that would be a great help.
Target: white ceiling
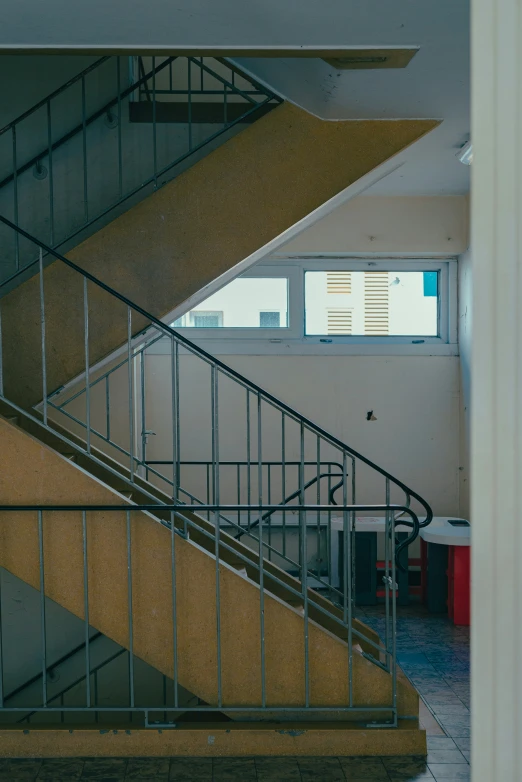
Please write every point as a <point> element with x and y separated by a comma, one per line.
<point>435,84</point>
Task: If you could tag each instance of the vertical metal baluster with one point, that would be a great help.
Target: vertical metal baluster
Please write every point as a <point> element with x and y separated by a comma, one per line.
<point>86,610</point>
<point>62,714</point>
<point>260,467</point>
<point>170,76</point>
<point>1,650</point>
<point>130,616</point>
<point>43,630</point>
<point>249,477</point>
<point>51,188</point>
<point>348,571</point>
<point>216,487</point>
<point>329,530</point>
<point>346,567</point>
<point>201,73</point>
<point>120,154</point>
<point>154,139</point>
<point>96,715</point>
<point>141,358</point>
<point>84,142</point>
<point>189,89</point>
<point>15,201</point>
<point>175,417</point>
<point>164,682</point>
<point>107,407</point>
<point>174,608</point>
<point>131,393</point>
<point>394,619</point>
<point>283,478</point>
<point>304,570</point>
<point>42,329</point>
<point>318,498</point>
<point>261,558</point>
<point>225,106</point>
<point>238,482</point>
<point>178,431</point>
<point>387,576</point>
<point>87,365</point>
<point>269,501</point>
<point>354,521</point>
<point>208,485</point>
<point>1,356</point>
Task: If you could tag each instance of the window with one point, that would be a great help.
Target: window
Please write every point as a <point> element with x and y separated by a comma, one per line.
<point>200,319</point>
<point>332,306</point>
<point>245,303</point>
<point>374,304</point>
<point>269,320</point>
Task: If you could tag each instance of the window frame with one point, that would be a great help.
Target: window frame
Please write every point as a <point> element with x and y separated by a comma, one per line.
<point>292,339</point>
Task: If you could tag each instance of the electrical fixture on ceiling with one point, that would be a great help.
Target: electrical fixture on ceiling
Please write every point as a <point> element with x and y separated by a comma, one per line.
<point>465,154</point>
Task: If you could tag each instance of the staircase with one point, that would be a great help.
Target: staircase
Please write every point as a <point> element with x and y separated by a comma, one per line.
<point>157,574</point>
<point>249,625</point>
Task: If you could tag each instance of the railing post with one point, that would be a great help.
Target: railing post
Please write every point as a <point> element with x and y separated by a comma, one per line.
<point>15,199</point>
<point>216,500</point>
<point>131,392</point>
<point>87,364</point>
<point>1,355</point>
<point>42,331</point>
<point>86,609</point>
<point>43,628</point>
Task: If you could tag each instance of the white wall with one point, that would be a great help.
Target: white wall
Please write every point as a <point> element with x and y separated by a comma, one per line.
<point>414,399</point>
<point>435,225</point>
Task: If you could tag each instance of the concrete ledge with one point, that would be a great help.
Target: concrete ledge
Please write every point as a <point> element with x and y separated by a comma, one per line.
<point>215,740</point>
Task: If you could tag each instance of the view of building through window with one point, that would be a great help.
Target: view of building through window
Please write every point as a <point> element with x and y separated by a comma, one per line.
<point>374,303</point>
<point>248,302</point>
<point>337,303</point>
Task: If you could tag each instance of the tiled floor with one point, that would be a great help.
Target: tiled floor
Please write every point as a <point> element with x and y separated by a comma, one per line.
<point>433,653</point>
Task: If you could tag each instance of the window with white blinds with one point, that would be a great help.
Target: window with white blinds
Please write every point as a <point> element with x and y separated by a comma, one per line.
<point>376,303</point>
<point>339,321</point>
<point>338,282</point>
<point>329,304</point>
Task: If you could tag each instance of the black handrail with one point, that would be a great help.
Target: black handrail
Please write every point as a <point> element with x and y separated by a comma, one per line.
<point>233,373</point>
<point>79,128</point>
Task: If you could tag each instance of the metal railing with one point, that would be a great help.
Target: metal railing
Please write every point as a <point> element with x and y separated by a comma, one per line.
<point>213,410</point>
<point>83,589</point>
<point>231,414</point>
<point>86,149</point>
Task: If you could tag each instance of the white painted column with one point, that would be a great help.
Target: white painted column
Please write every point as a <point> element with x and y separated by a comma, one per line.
<point>496,428</point>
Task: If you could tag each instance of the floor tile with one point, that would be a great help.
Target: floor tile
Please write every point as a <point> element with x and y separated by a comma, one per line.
<point>23,769</point>
<point>60,768</point>
<point>445,756</point>
<point>275,769</point>
<point>446,772</point>
<point>234,770</point>
<point>190,770</point>
<point>397,767</point>
<point>148,769</point>
<point>325,769</point>
<point>104,769</point>
<point>440,742</point>
<point>358,769</point>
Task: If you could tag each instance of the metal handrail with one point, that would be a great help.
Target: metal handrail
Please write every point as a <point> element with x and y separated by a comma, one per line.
<point>58,237</point>
<point>78,128</point>
<point>245,382</point>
